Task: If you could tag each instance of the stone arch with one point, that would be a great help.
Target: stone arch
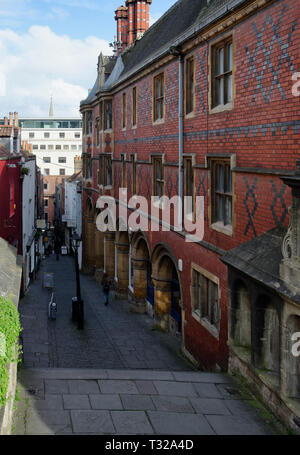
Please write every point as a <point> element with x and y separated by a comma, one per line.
<point>141,271</point>
<point>240,315</point>
<point>266,344</point>
<point>292,361</point>
<point>167,289</point>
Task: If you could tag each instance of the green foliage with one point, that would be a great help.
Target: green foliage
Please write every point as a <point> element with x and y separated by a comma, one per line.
<point>9,328</point>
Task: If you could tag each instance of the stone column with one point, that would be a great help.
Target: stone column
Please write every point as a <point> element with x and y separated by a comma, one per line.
<point>138,303</point>
<point>110,254</point>
<point>162,301</point>
<point>99,249</point>
<point>90,243</point>
<point>122,269</point>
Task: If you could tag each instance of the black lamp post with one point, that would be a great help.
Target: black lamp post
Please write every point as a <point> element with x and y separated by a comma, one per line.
<point>79,313</point>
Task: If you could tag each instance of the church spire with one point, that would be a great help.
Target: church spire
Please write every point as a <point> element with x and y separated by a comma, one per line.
<point>51,114</point>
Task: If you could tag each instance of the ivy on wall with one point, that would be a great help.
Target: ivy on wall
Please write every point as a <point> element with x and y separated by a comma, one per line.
<point>10,329</point>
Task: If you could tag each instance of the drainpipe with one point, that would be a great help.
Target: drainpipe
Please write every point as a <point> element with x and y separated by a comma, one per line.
<point>176,50</point>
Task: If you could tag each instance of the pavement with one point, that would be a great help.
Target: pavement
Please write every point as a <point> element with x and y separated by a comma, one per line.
<point>117,376</point>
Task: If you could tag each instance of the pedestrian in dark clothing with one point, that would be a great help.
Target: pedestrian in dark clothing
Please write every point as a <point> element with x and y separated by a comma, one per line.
<point>105,288</point>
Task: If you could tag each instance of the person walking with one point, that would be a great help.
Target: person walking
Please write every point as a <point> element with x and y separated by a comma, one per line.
<point>105,288</point>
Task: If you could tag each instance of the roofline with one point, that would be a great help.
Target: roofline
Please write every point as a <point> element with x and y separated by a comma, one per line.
<point>188,34</point>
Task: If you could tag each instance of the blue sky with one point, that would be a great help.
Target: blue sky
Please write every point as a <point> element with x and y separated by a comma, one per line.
<point>50,47</point>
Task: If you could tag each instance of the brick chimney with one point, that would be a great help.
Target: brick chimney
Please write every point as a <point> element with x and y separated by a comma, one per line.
<point>132,21</point>
<point>16,119</point>
<point>5,121</point>
<point>122,28</point>
<point>142,13</point>
<point>11,123</point>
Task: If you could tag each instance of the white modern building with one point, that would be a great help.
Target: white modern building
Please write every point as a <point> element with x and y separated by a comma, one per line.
<point>55,142</point>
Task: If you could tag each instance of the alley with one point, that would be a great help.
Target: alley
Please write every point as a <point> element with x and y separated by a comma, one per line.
<point>117,376</point>
<point>112,337</point>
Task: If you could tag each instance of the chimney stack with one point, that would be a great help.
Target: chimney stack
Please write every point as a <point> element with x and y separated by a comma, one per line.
<point>5,121</point>
<point>122,28</point>
<point>16,119</point>
<point>132,21</point>
<point>10,119</point>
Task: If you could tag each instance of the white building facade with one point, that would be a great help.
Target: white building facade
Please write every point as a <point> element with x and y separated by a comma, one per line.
<point>55,142</point>
<point>28,220</point>
<point>72,217</point>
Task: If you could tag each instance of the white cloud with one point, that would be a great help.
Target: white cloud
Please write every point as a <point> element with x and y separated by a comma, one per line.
<point>39,63</point>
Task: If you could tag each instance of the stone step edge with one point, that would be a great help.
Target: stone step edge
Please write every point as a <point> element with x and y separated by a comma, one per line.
<point>150,375</point>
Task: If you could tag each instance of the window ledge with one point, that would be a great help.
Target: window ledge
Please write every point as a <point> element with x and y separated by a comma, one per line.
<point>220,227</point>
<point>108,130</point>
<point>221,108</point>
<point>190,115</point>
<point>206,324</point>
<point>159,121</point>
<point>134,127</point>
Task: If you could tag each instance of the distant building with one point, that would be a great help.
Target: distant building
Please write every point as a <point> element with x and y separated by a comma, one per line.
<point>55,142</point>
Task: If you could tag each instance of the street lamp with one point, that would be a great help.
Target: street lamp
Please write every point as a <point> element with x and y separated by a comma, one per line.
<point>78,313</point>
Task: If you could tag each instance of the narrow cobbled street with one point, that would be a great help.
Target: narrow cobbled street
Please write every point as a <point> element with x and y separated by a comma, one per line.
<point>117,376</point>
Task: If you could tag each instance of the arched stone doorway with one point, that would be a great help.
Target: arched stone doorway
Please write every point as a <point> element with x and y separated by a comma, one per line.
<point>142,298</point>
<point>167,291</point>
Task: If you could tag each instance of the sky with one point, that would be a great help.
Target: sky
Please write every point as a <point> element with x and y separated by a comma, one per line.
<point>50,47</point>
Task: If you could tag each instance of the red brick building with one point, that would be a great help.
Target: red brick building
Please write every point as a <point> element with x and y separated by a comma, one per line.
<point>200,105</point>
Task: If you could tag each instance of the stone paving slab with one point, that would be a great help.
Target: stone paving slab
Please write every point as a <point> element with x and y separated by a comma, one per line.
<point>117,386</point>
<point>180,389</point>
<point>97,422</point>
<point>179,423</point>
<point>78,402</point>
<point>137,402</point>
<point>106,401</point>
<point>130,406</point>
<point>131,422</point>
<point>210,406</point>
<point>172,404</point>
<point>83,386</point>
<point>236,425</point>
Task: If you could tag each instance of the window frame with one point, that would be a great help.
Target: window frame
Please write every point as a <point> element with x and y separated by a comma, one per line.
<point>203,310</point>
<point>105,113</point>
<point>189,87</point>
<point>216,192</point>
<point>158,182</point>
<point>215,106</point>
<point>187,181</point>
<point>134,107</point>
<point>158,99</point>
<point>62,173</point>
<point>62,158</point>
<point>124,102</point>
<point>104,159</point>
<point>134,174</point>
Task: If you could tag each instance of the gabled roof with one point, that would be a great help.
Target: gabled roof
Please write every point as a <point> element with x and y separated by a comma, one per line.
<point>184,19</point>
